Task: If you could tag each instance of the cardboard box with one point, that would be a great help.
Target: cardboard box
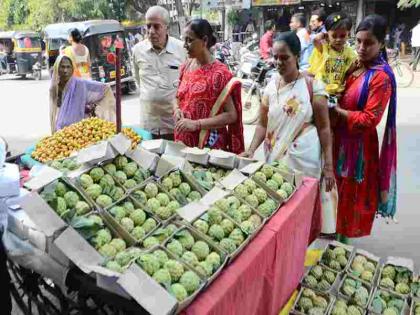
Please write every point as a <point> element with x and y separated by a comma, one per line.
<point>145,173</point>
<point>120,143</point>
<point>168,163</point>
<point>175,149</point>
<point>200,172</point>
<point>231,181</point>
<point>242,162</point>
<point>78,250</point>
<point>196,155</point>
<point>96,153</point>
<point>192,211</point>
<point>404,310</point>
<point>330,312</point>
<point>414,301</point>
<point>367,286</point>
<point>198,236</point>
<point>155,146</point>
<point>371,258</point>
<point>398,262</point>
<point>217,194</point>
<point>76,183</point>
<point>120,229</point>
<point>43,216</point>
<point>233,255</point>
<point>144,205</point>
<point>43,177</point>
<point>108,280</point>
<point>147,292</point>
<point>223,159</point>
<point>146,159</point>
<point>349,254</point>
<point>187,178</point>
<point>334,285</point>
<point>152,296</point>
<point>329,298</point>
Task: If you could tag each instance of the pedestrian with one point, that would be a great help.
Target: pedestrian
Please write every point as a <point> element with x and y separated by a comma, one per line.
<point>294,123</point>
<point>3,58</point>
<point>73,99</point>
<point>415,44</point>
<point>209,110</point>
<point>298,24</point>
<point>366,180</point>
<point>79,53</point>
<point>157,61</point>
<point>266,42</point>
<point>317,21</point>
<point>332,58</point>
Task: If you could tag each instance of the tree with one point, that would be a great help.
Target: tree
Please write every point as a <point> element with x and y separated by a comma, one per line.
<point>404,4</point>
<point>141,5</point>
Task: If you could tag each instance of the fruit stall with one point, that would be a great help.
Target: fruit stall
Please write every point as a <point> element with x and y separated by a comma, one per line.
<point>112,223</point>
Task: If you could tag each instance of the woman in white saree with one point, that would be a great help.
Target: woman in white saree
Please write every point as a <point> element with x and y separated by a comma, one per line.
<point>294,123</point>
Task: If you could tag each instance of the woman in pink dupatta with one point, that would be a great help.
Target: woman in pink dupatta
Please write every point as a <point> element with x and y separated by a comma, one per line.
<point>73,99</point>
<point>366,180</point>
<point>209,111</point>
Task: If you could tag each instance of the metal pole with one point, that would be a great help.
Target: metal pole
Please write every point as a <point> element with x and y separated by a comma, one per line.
<point>118,88</point>
<point>201,9</point>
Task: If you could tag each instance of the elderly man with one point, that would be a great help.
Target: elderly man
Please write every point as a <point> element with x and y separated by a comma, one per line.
<point>157,61</point>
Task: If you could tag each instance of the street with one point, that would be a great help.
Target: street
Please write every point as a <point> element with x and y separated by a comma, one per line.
<point>25,118</point>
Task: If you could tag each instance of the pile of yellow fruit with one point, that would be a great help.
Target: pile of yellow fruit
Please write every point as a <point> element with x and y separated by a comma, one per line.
<point>77,136</point>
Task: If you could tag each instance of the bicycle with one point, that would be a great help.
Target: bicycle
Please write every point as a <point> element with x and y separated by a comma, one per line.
<point>404,74</point>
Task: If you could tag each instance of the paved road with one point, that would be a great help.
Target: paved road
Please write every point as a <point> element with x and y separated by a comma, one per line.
<point>24,119</point>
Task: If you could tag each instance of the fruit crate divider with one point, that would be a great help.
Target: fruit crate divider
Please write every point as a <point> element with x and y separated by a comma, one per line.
<point>333,287</point>
<point>397,262</point>
<point>377,289</point>
<point>369,286</point>
<point>198,236</point>
<point>331,300</point>
<point>369,257</point>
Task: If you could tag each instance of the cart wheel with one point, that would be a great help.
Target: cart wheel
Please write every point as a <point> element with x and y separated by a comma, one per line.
<point>34,294</point>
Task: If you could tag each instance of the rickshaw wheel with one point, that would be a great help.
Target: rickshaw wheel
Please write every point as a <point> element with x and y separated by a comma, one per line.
<point>33,294</point>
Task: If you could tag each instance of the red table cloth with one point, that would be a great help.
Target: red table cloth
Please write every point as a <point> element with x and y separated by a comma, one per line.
<point>263,277</point>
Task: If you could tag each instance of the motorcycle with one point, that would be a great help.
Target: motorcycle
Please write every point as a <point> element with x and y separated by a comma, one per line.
<point>223,53</point>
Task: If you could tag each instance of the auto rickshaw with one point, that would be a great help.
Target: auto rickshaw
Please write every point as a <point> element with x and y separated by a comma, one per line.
<point>101,37</point>
<point>21,54</point>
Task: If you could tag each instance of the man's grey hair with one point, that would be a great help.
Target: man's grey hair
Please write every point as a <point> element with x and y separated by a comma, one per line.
<point>161,11</point>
